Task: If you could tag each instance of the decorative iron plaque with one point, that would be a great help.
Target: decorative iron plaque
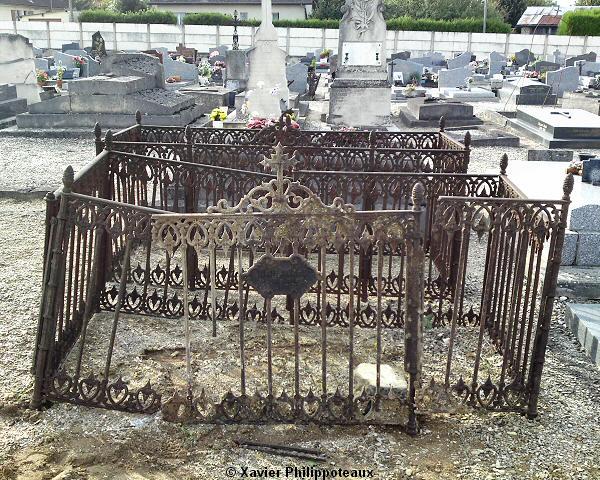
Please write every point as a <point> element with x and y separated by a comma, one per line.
<point>272,276</point>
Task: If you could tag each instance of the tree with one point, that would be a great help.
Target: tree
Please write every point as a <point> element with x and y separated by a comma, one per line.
<point>541,3</point>
<point>131,5</point>
<point>511,9</point>
<point>588,3</point>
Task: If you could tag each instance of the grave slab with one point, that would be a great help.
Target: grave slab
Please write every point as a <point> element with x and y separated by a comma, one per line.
<point>558,127</point>
<point>584,321</point>
<point>475,94</point>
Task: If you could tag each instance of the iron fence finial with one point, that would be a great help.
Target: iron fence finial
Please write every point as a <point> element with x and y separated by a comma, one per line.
<point>188,133</point>
<point>108,140</point>
<point>97,131</point>
<point>568,185</point>
<point>503,163</point>
<point>442,123</point>
<point>418,194</point>
<point>468,140</point>
<point>138,117</point>
<point>68,179</point>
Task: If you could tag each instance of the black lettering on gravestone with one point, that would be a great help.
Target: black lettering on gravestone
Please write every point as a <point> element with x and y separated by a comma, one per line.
<point>98,45</point>
<point>272,276</point>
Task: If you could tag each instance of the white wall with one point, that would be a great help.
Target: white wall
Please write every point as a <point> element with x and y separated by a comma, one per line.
<point>295,41</point>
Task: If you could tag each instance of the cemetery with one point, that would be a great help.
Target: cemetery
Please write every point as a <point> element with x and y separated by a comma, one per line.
<point>361,255</point>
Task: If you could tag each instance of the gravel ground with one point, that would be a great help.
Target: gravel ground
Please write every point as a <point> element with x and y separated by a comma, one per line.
<point>69,442</point>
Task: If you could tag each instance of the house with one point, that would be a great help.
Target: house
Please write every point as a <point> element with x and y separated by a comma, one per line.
<point>541,20</point>
<point>247,9</point>
<point>51,10</point>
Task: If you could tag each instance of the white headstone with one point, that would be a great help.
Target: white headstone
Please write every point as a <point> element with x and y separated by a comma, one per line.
<point>17,66</point>
<point>267,93</point>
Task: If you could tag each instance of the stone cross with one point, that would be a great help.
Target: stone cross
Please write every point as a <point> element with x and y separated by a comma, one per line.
<point>267,13</point>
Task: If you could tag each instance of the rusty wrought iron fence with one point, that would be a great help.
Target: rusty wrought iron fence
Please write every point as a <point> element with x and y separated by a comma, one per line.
<point>314,150</point>
<point>395,253</point>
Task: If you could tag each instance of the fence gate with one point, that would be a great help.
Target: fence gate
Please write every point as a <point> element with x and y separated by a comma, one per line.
<point>280,241</point>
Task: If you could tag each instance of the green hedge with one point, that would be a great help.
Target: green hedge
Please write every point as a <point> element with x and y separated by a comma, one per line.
<point>400,23</point>
<point>456,25</point>
<point>580,22</point>
<point>144,16</point>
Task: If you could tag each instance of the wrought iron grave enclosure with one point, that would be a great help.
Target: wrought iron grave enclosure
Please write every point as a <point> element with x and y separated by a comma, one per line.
<point>144,240</point>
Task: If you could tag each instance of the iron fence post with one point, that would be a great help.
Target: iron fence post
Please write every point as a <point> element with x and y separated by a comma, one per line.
<point>547,303</point>
<point>49,299</point>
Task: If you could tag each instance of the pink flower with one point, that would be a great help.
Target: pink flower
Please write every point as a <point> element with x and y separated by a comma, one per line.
<point>213,54</point>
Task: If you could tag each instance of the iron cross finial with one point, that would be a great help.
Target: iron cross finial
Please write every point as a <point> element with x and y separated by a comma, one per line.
<point>236,43</point>
<point>278,162</point>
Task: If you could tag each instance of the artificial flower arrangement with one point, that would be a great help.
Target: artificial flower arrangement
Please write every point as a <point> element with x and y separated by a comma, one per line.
<point>78,62</point>
<point>532,74</point>
<point>60,72</point>
<point>42,77</point>
<point>258,122</point>
<point>181,59</point>
<point>213,54</point>
<point>410,89</point>
<point>218,66</point>
<point>218,114</point>
<point>326,53</point>
<point>205,69</point>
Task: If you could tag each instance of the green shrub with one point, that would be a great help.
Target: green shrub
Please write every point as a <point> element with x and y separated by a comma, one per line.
<point>399,23</point>
<point>580,22</point>
<point>145,16</point>
<point>456,25</point>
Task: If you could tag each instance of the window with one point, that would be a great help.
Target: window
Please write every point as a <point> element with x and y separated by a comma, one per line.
<point>243,15</point>
<point>275,16</point>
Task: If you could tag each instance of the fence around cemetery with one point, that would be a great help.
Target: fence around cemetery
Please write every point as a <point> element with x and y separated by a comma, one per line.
<point>464,254</point>
<point>295,41</point>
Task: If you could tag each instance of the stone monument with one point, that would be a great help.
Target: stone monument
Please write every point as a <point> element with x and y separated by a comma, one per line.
<point>361,72</point>
<point>267,94</point>
<point>17,66</point>
<point>129,82</point>
<point>235,59</point>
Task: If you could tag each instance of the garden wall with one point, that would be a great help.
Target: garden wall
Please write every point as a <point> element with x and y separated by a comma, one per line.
<point>295,41</point>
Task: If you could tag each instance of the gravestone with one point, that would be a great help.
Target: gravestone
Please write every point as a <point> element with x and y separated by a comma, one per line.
<point>298,73</point>
<point>361,72</point>
<point>407,68</point>
<point>401,55</point>
<point>89,68</point>
<point>535,93</point>
<point>590,68</point>
<point>98,45</point>
<point>524,57</point>
<point>585,101</point>
<point>563,80</point>
<point>453,78</point>
<point>17,66</point>
<point>543,66</point>
<point>459,61</point>
<point>267,94</point>
<point>496,63</point>
<point>222,49</point>
<point>174,68</point>
<point>591,171</point>
<point>558,57</point>
<point>10,105</point>
<point>41,64</point>
<point>70,46</point>
<point>588,57</point>
<point>130,83</point>
<point>426,112</point>
<point>236,71</point>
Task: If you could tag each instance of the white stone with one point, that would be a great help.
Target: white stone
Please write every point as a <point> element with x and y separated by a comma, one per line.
<point>17,66</point>
<point>267,92</point>
<point>391,381</point>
